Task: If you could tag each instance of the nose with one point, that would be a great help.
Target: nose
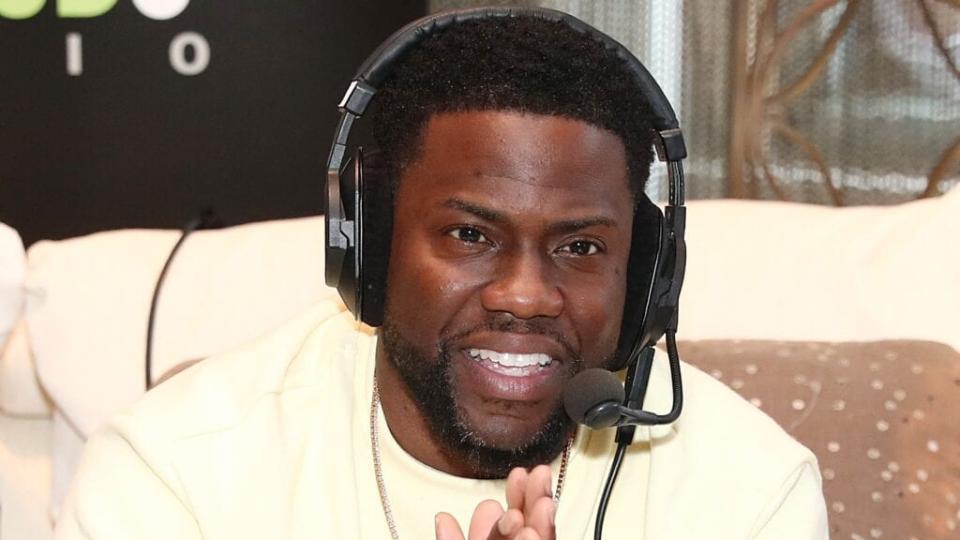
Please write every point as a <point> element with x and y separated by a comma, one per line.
<point>524,287</point>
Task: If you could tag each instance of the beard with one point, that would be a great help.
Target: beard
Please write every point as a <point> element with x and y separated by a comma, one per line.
<point>430,384</point>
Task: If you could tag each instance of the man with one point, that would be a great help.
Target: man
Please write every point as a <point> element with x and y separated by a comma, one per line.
<point>516,148</point>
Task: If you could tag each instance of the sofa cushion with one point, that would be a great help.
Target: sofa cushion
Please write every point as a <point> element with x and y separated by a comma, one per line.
<point>20,392</point>
<point>24,478</point>
<point>12,269</point>
<point>88,301</point>
<point>880,416</point>
<point>772,270</point>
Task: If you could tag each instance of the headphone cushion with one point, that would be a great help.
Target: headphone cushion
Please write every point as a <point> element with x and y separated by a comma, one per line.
<point>376,215</point>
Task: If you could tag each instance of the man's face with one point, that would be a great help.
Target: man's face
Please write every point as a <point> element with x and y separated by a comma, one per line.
<point>507,272</point>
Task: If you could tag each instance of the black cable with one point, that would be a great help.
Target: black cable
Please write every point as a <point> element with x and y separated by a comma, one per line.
<point>205,220</point>
<point>675,379</point>
<point>608,488</point>
<point>626,430</point>
<point>677,188</point>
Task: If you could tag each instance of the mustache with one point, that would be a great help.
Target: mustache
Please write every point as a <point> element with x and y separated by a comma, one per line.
<point>504,322</point>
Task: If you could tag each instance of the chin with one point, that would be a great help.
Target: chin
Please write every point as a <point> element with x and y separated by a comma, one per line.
<point>493,444</point>
<point>503,425</point>
<point>508,434</point>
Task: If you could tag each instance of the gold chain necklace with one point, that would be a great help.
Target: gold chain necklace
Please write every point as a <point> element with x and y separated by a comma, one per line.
<point>378,464</point>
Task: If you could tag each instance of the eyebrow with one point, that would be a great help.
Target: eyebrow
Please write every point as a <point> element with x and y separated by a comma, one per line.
<point>479,211</point>
<point>559,227</point>
<point>574,225</point>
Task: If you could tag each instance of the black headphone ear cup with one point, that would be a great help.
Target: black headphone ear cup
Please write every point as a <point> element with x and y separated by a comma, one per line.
<point>662,308</point>
<point>343,268</point>
<point>357,262</point>
<point>376,215</point>
<point>645,247</point>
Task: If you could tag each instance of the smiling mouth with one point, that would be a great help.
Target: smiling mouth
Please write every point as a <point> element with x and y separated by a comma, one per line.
<point>511,364</point>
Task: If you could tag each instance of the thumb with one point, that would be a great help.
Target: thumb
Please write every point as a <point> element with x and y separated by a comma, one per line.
<point>446,527</point>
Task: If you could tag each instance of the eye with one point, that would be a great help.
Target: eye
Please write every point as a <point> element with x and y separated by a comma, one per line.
<point>467,235</point>
<point>581,248</point>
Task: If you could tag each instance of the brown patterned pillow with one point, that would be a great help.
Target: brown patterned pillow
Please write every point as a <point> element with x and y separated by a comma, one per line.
<point>882,417</point>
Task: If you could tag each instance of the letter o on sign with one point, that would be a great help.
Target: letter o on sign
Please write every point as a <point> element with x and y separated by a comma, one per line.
<point>161,10</point>
<point>178,56</point>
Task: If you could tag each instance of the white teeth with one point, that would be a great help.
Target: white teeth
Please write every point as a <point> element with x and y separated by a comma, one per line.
<point>511,359</point>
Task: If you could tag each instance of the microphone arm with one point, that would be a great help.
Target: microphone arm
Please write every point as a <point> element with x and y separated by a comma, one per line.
<point>627,415</point>
<point>631,413</point>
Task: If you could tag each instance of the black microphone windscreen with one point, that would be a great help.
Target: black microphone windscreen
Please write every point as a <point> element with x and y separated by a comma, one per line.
<point>589,388</point>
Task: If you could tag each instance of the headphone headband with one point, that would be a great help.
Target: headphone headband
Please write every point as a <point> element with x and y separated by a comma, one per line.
<point>379,65</point>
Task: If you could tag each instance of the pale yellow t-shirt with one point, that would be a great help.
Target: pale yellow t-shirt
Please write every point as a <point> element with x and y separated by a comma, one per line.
<point>273,441</point>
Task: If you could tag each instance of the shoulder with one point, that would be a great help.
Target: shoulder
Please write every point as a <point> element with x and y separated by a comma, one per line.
<point>737,430</point>
<point>218,392</point>
<point>725,457</point>
<point>178,450</point>
<point>713,410</point>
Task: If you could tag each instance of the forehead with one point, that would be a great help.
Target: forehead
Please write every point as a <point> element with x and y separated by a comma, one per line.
<point>513,157</point>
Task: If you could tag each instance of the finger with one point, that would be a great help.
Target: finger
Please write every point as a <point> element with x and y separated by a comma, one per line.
<point>446,527</point>
<point>538,487</point>
<point>542,518</point>
<point>484,519</point>
<point>527,533</point>
<point>507,527</point>
<point>516,486</point>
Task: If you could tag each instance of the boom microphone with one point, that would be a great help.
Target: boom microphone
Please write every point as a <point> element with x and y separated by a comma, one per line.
<point>596,399</point>
<point>593,398</point>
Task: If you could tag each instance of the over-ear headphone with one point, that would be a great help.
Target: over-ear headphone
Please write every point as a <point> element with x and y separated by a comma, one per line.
<point>355,261</point>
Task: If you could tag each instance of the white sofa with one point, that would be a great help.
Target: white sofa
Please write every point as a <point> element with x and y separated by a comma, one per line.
<point>757,270</point>
<point>25,445</point>
<point>76,355</point>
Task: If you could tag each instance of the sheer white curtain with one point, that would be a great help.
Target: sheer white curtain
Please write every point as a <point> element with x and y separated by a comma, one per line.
<point>878,117</point>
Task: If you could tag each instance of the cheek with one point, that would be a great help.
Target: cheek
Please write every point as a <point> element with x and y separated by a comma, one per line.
<point>596,309</point>
<point>424,294</point>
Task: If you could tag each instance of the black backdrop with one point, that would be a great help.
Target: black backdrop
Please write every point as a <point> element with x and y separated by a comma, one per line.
<point>130,141</point>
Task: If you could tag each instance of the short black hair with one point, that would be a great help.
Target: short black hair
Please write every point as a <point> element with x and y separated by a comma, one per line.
<point>519,63</point>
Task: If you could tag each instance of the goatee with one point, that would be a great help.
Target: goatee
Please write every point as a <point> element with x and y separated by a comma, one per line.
<point>430,383</point>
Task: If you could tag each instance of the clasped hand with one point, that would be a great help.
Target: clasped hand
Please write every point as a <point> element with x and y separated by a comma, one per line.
<point>530,513</point>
